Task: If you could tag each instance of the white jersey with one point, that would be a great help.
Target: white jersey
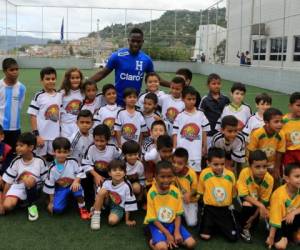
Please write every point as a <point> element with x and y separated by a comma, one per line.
<point>18,169</point>
<point>11,102</point>
<point>93,106</point>
<point>159,94</point>
<point>80,144</point>
<point>188,127</point>
<point>130,125</point>
<point>121,195</point>
<point>107,115</point>
<point>97,160</point>
<point>148,144</point>
<point>242,113</point>
<point>71,104</point>
<point>149,119</point>
<point>234,150</point>
<point>170,108</point>
<point>152,155</point>
<point>136,170</point>
<point>46,108</point>
<point>253,123</point>
<point>64,177</point>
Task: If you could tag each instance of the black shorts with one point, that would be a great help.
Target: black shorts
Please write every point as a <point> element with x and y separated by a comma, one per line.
<point>246,213</point>
<point>219,219</point>
<point>287,230</point>
<point>11,138</point>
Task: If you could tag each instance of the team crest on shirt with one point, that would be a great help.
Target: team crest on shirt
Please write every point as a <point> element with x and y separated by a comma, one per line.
<point>165,214</point>
<point>24,176</point>
<point>270,152</point>
<point>52,113</point>
<point>110,122</point>
<point>171,114</point>
<point>295,137</point>
<point>101,165</point>
<point>219,193</point>
<point>115,198</point>
<point>64,182</point>
<point>190,132</point>
<point>128,131</point>
<point>73,107</point>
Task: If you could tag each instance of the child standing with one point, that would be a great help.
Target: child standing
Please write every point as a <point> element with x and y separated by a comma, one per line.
<point>254,187</point>
<point>12,94</point>
<point>130,123</point>
<point>217,189</point>
<point>64,180</point>
<point>172,103</point>
<point>291,129</point>
<point>213,104</point>
<point>186,182</point>
<point>72,97</point>
<point>237,107</point>
<point>93,100</point>
<point>82,138</point>
<point>117,193</point>
<point>164,210</point>
<point>23,176</point>
<point>189,129</point>
<point>285,210</point>
<point>263,102</point>
<point>44,113</point>
<point>107,114</point>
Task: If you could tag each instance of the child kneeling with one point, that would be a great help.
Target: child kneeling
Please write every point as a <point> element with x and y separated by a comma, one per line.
<point>118,194</point>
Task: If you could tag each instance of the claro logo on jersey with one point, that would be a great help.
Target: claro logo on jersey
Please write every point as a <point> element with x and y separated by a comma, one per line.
<point>135,78</point>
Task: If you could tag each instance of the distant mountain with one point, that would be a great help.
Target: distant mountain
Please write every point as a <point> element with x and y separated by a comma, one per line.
<point>9,42</point>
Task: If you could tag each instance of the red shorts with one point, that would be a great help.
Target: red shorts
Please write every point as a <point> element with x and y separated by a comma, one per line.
<point>291,156</point>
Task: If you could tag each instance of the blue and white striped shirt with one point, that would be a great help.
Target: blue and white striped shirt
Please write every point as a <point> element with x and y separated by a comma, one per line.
<point>11,102</point>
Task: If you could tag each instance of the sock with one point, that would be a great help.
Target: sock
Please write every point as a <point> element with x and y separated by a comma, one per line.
<point>81,205</point>
<point>31,195</point>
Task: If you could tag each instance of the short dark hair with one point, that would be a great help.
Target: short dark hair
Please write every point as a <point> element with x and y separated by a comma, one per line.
<point>257,155</point>
<point>129,91</point>
<point>229,120</point>
<point>107,87</point>
<point>163,165</point>
<point>238,86</point>
<point>215,153</point>
<point>185,72</point>
<point>47,71</point>
<point>189,90</point>
<point>164,141</point>
<point>130,147</point>
<point>213,76</point>
<point>1,129</point>
<point>178,80</point>
<point>158,123</point>
<point>136,30</point>
<point>290,167</point>
<point>89,83</point>
<point>116,164</point>
<point>61,143</point>
<point>151,74</point>
<point>294,97</point>
<point>85,113</point>
<point>270,112</point>
<point>8,62</point>
<point>27,138</point>
<point>102,130</point>
<point>152,96</point>
<point>181,153</point>
<point>263,97</point>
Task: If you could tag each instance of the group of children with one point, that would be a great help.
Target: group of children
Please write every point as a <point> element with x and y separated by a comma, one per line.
<point>208,162</point>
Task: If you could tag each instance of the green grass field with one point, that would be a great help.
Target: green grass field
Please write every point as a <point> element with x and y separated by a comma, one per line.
<point>67,231</point>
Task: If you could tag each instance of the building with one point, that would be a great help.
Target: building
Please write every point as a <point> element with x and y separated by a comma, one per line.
<point>268,29</point>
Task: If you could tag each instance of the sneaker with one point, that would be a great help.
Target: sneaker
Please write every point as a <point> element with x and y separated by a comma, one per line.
<point>84,213</point>
<point>246,235</point>
<point>33,213</point>
<point>95,221</point>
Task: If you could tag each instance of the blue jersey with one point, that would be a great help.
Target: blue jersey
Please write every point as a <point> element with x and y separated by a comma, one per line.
<point>129,70</point>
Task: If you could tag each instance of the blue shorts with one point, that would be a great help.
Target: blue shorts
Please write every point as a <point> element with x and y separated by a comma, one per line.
<point>61,196</point>
<point>158,236</point>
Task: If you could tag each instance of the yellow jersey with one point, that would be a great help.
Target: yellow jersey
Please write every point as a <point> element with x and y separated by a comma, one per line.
<point>281,205</point>
<point>163,207</point>
<point>187,183</point>
<point>270,144</point>
<point>248,186</point>
<point>217,190</point>
<point>291,130</point>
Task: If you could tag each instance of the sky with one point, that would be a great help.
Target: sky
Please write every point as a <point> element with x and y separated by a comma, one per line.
<point>78,22</point>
